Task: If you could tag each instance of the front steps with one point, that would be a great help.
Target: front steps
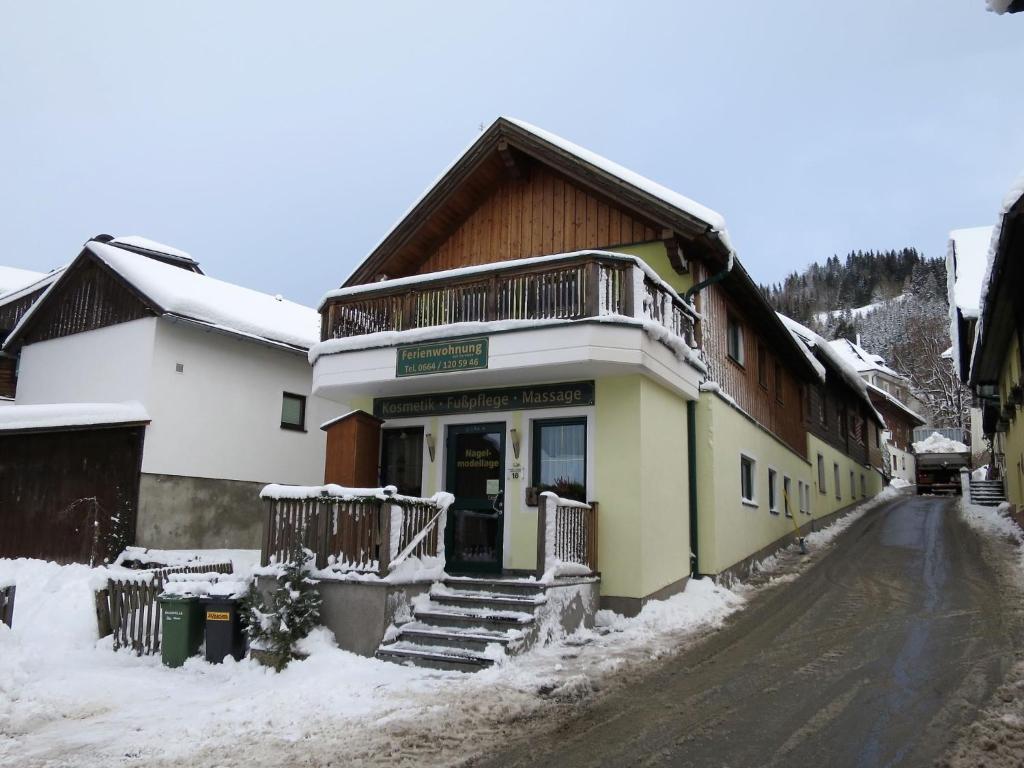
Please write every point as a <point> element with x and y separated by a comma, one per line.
<point>987,493</point>
<point>468,623</point>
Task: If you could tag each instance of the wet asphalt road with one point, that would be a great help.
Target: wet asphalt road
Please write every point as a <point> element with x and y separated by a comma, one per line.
<point>876,656</point>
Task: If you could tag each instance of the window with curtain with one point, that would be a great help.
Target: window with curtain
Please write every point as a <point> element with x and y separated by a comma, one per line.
<point>401,460</point>
<point>560,457</point>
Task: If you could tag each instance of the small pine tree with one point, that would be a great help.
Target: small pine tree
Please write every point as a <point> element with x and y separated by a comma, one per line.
<point>293,610</point>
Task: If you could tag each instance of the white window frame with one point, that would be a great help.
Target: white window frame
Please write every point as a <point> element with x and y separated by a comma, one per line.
<point>805,497</point>
<point>787,490</point>
<point>836,477</point>
<point>822,480</point>
<point>773,491</point>
<point>752,501</point>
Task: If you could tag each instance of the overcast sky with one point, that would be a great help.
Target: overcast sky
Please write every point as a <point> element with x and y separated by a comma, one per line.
<point>278,142</point>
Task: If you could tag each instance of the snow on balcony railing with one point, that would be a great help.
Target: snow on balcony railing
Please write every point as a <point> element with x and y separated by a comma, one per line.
<point>560,288</point>
<point>566,537</point>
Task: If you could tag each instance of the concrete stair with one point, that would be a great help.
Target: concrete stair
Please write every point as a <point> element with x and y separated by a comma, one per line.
<point>987,493</point>
<point>467,624</point>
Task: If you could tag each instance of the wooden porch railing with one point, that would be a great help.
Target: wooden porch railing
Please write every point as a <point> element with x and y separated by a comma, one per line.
<point>352,531</point>
<point>571,288</point>
<point>566,537</point>
<point>7,604</point>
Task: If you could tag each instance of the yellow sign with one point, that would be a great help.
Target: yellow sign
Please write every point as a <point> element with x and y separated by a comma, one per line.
<point>218,616</point>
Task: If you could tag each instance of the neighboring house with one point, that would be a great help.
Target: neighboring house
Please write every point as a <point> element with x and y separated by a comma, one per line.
<point>966,261</point>
<point>997,358</point>
<point>220,372</point>
<point>19,288</point>
<point>543,318</point>
<point>891,395</point>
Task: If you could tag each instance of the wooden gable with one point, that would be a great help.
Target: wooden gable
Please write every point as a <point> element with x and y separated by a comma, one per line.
<point>87,296</point>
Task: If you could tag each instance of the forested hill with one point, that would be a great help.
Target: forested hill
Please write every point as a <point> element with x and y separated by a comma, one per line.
<point>895,302</point>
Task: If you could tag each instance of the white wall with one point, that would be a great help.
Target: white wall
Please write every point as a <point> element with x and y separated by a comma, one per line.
<point>906,468</point>
<point>107,365</point>
<point>221,416</point>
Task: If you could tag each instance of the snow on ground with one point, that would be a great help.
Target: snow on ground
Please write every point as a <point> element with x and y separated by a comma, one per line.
<point>936,443</point>
<point>67,699</point>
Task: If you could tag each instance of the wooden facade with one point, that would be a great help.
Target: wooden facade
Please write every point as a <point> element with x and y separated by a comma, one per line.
<point>8,376</point>
<point>353,450</point>
<point>71,495</point>
<point>840,418</point>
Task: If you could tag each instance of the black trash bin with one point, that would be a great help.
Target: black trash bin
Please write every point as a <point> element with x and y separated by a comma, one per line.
<point>223,628</point>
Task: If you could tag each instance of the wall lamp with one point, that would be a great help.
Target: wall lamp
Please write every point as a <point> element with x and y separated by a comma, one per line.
<point>431,447</point>
<point>514,434</point>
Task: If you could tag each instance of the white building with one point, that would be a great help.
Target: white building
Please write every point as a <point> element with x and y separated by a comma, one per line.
<point>220,370</point>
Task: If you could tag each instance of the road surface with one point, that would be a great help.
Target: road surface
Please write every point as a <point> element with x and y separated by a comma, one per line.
<point>877,656</point>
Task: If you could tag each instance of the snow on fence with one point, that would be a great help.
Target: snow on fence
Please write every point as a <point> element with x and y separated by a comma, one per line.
<point>7,605</point>
<point>361,530</point>
<point>128,607</point>
<point>566,537</point>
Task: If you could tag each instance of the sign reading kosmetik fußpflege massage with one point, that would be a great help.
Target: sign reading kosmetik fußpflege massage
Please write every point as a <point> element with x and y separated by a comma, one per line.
<point>441,357</point>
<point>486,400</point>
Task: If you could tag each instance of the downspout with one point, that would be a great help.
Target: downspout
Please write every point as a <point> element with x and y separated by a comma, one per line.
<point>691,455</point>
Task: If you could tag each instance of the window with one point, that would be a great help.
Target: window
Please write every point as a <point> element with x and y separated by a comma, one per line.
<point>821,473</point>
<point>560,457</point>
<point>773,492</point>
<point>293,412</point>
<point>762,365</point>
<point>822,409</point>
<point>401,460</point>
<point>853,488</point>
<point>787,492</point>
<point>863,487</point>
<point>747,489</point>
<point>903,460</point>
<point>835,473</point>
<point>778,383</point>
<point>734,339</point>
<point>894,462</point>
<point>805,498</point>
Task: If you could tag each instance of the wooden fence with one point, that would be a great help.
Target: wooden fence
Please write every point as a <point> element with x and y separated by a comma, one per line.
<point>566,536</point>
<point>128,608</point>
<point>7,605</point>
<point>352,533</point>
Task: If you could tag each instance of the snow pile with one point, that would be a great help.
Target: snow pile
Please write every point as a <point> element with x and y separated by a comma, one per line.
<point>704,603</point>
<point>14,279</point>
<point>936,443</point>
<point>242,560</point>
<point>899,482</point>
<point>441,500</point>
<point>55,415</point>
<point>981,473</point>
<point>205,584</point>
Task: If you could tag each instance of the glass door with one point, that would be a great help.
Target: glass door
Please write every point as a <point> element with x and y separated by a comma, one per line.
<point>475,475</point>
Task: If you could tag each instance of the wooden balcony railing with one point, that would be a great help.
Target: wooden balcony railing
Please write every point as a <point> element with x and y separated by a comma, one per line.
<point>566,537</point>
<point>564,288</point>
<point>364,530</point>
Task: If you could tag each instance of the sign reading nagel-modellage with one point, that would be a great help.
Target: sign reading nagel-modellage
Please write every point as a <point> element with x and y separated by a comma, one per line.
<point>442,357</point>
<point>484,400</point>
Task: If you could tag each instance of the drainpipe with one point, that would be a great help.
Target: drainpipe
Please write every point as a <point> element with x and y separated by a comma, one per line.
<point>691,455</point>
<point>715,278</point>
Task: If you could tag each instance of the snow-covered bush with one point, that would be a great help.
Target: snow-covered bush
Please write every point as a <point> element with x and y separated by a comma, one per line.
<point>275,625</point>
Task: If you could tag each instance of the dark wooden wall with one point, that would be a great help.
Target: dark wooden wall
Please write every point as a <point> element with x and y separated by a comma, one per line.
<point>13,311</point>
<point>538,215</point>
<point>8,379</point>
<point>896,422</point>
<point>846,419</point>
<point>69,496</point>
<point>783,418</point>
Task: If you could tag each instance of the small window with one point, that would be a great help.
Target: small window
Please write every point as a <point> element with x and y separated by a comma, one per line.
<point>762,366</point>
<point>894,467</point>
<point>779,390</point>
<point>835,473</point>
<point>560,457</point>
<point>853,488</point>
<point>773,492</point>
<point>903,460</point>
<point>734,339</point>
<point>805,498</point>
<point>787,492</point>
<point>863,487</point>
<point>821,473</point>
<point>293,412</point>
<point>747,489</point>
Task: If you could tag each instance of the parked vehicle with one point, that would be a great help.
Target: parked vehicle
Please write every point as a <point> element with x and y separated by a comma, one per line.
<point>940,457</point>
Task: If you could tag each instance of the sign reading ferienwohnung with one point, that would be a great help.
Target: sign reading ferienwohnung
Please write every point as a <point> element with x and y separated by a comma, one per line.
<point>441,357</point>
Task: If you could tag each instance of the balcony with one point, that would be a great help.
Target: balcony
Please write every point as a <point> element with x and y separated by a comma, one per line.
<point>564,302</point>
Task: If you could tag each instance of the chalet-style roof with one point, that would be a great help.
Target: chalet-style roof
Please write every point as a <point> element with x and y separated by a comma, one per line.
<point>169,291</point>
<point>860,359</point>
<point>506,143</point>
<point>877,394</point>
<point>64,416</point>
<point>832,362</point>
<point>1001,289</point>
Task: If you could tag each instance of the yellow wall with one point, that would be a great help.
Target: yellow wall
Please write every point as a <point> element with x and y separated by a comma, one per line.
<point>641,485</point>
<point>729,529</point>
<point>1013,439</point>
<point>823,499</point>
<point>657,259</point>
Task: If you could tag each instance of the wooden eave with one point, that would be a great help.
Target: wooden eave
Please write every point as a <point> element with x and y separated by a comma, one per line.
<point>506,148</point>
<point>1004,305</point>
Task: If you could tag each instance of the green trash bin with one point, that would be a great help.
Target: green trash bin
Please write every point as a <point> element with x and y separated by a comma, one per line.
<point>182,623</point>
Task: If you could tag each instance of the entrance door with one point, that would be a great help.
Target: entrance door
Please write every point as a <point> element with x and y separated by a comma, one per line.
<point>475,470</point>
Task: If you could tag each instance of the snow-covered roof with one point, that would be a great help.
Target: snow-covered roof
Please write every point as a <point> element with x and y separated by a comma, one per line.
<point>969,248</point>
<point>202,299</point>
<point>15,418</point>
<point>152,245</point>
<point>42,282</point>
<point>860,359</point>
<point>896,402</point>
<point>14,279</point>
<point>818,346</point>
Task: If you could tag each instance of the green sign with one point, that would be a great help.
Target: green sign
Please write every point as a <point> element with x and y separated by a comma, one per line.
<point>442,357</point>
<point>486,400</point>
